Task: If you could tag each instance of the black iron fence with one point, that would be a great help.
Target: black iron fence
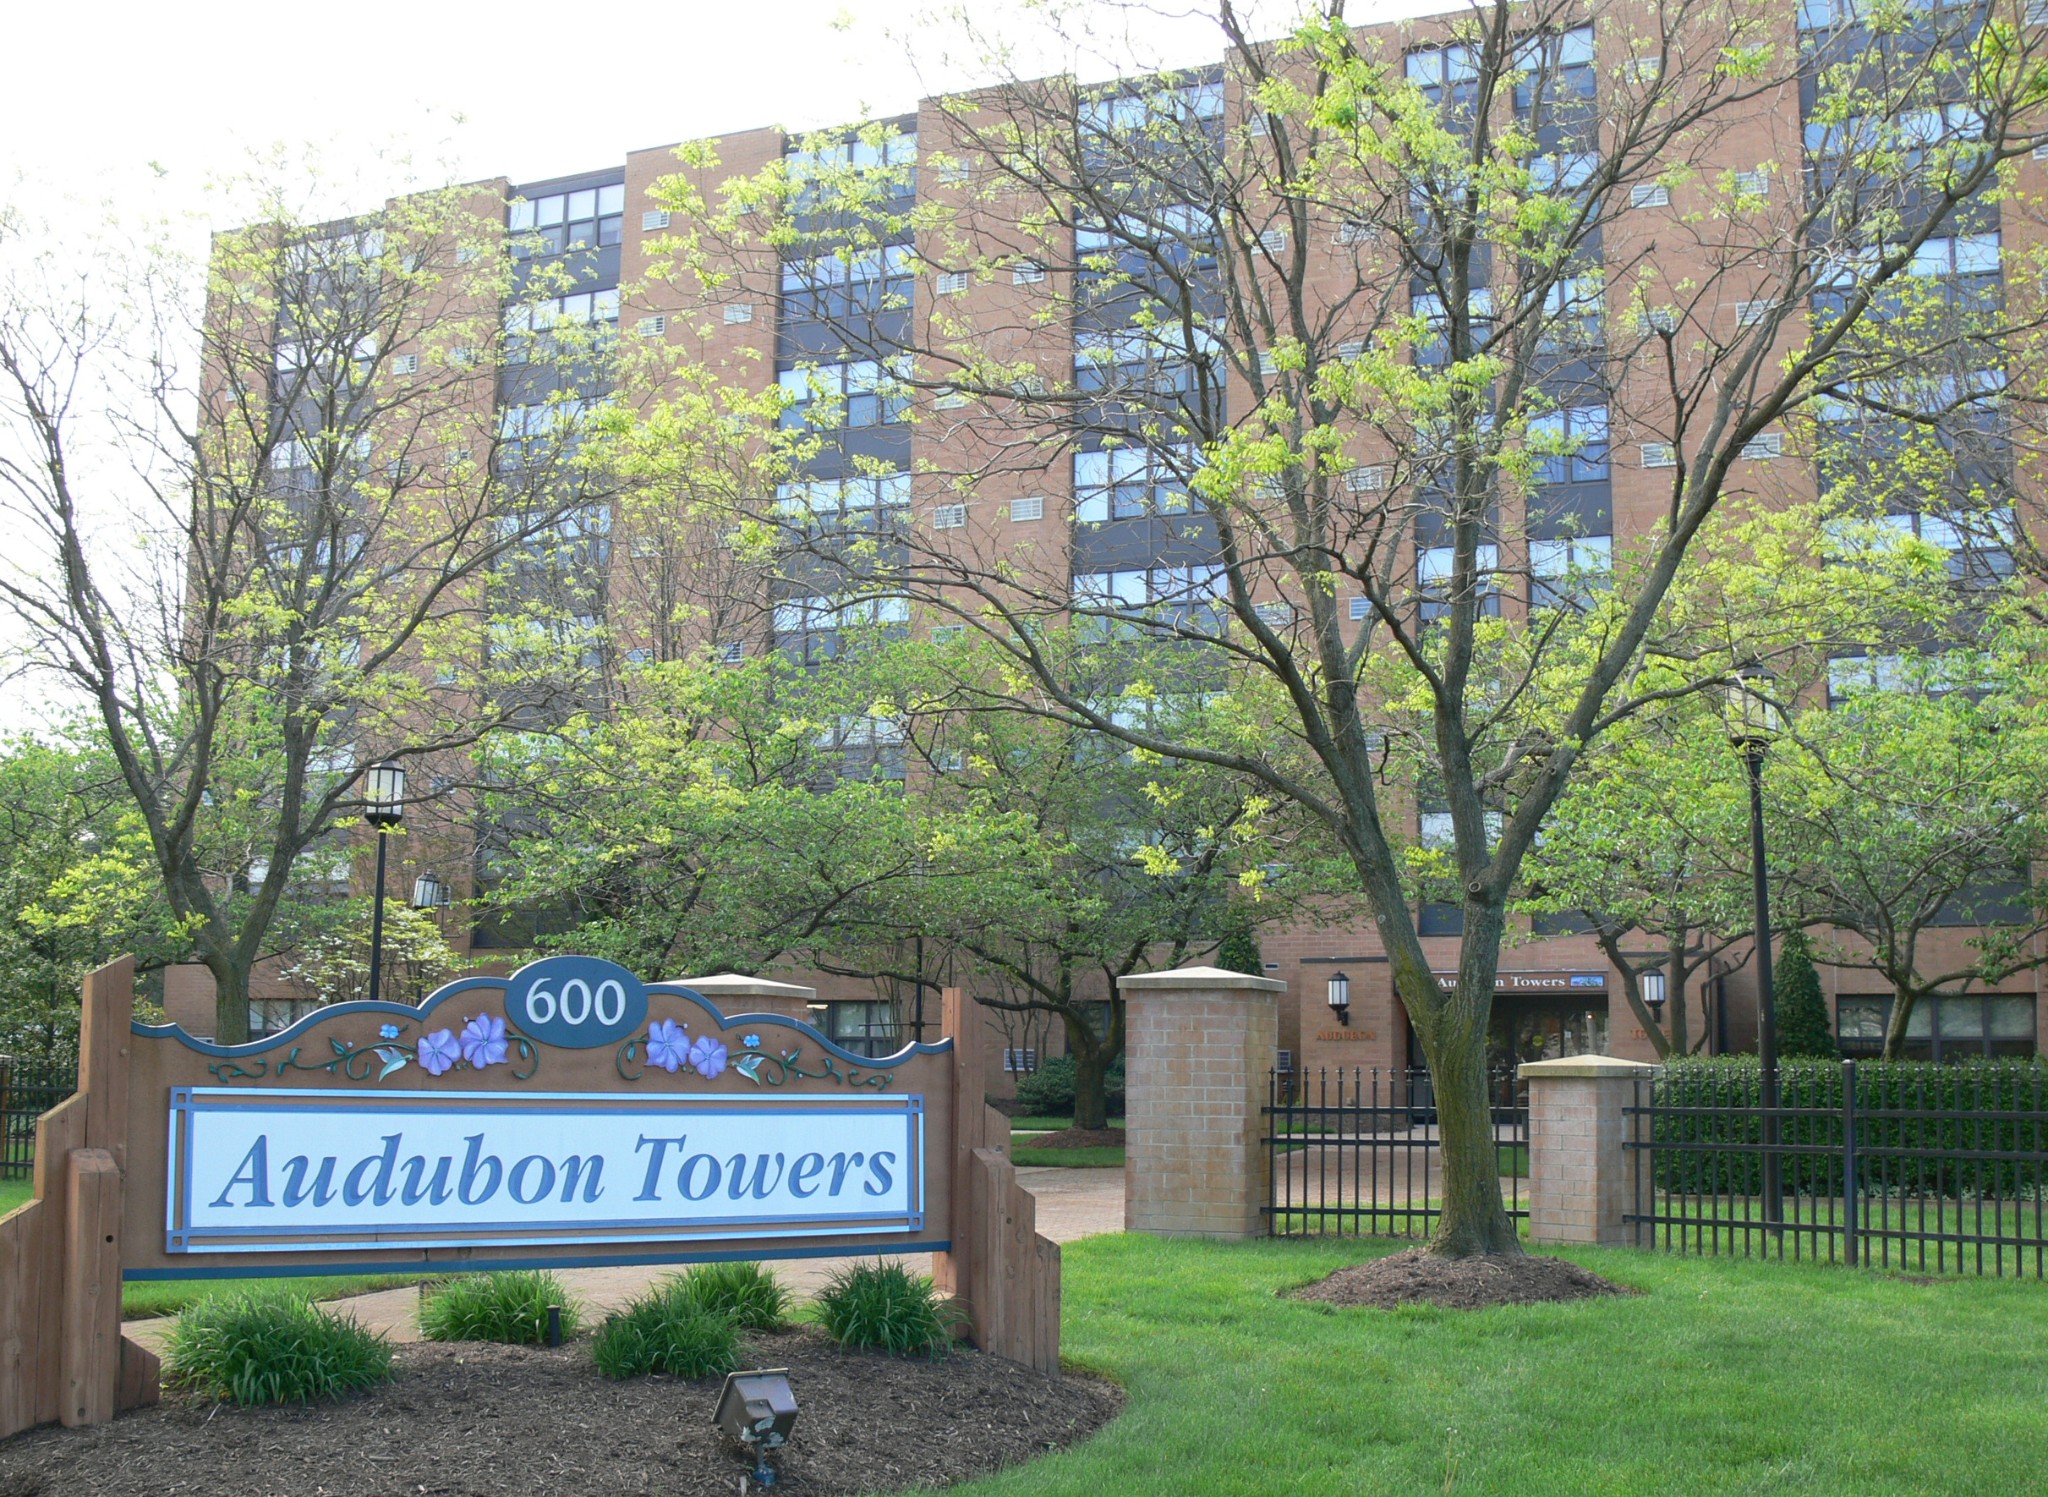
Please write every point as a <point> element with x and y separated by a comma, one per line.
<point>1938,1169</point>
<point>1357,1153</point>
<point>28,1089</point>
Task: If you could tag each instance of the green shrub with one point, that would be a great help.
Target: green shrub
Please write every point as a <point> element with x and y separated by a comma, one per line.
<point>886,1306</point>
<point>667,1330</point>
<point>1802,1013</point>
<point>511,1307</point>
<point>262,1346</point>
<point>1048,1092</point>
<point>747,1294</point>
<point>1944,1109</point>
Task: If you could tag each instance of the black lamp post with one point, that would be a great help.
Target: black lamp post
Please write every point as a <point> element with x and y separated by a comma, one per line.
<point>383,808</point>
<point>1340,997</point>
<point>1754,720</point>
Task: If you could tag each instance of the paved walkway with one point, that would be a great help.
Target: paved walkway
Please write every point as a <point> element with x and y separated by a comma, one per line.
<point>1072,1204</point>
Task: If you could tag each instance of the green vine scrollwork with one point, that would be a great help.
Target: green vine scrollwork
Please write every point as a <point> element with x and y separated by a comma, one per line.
<point>758,1066</point>
<point>370,1062</point>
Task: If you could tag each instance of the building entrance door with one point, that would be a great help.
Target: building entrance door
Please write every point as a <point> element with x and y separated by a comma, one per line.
<point>1544,1027</point>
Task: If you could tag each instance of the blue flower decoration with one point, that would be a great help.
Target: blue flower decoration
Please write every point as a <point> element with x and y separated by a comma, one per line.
<point>438,1051</point>
<point>667,1046</point>
<point>708,1056</point>
<point>387,1031</point>
<point>752,1041</point>
<point>484,1042</point>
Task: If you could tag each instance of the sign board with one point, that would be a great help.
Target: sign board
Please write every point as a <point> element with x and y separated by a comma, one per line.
<point>1535,982</point>
<point>566,1116</point>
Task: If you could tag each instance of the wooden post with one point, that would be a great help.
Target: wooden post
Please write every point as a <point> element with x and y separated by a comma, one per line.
<point>960,1023</point>
<point>91,1352</point>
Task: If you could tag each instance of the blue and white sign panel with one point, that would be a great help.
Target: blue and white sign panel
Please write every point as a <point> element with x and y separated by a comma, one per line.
<point>268,1170</point>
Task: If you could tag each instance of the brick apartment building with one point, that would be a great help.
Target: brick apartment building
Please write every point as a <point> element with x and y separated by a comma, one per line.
<point>1105,518</point>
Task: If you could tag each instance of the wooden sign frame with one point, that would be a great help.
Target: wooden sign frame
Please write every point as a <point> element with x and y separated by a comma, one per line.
<point>155,1107</point>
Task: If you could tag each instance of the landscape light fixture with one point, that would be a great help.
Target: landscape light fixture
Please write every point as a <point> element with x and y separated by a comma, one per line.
<point>383,808</point>
<point>758,1409</point>
<point>1652,985</point>
<point>1340,997</point>
<point>1753,716</point>
<point>428,892</point>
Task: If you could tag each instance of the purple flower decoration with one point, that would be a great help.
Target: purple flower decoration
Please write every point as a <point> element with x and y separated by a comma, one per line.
<point>708,1056</point>
<point>438,1051</point>
<point>483,1041</point>
<point>667,1046</point>
<point>387,1031</point>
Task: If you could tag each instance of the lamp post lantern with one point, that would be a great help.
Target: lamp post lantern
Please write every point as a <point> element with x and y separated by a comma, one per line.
<point>1652,985</point>
<point>1754,719</point>
<point>1340,997</point>
<point>428,892</point>
<point>383,808</point>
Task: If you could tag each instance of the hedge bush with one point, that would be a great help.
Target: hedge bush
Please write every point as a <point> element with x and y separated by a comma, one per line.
<point>266,1346</point>
<point>510,1306</point>
<point>1912,1104</point>
<point>885,1306</point>
<point>747,1294</point>
<point>1048,1092</point>
<point>667,1330</point>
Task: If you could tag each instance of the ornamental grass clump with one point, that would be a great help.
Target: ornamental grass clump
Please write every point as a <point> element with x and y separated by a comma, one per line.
<point>262,1346</point>
<point>667,1330</point>
<point>747,1294</point>
<point>511,1307</point>
<point>884,1305</point>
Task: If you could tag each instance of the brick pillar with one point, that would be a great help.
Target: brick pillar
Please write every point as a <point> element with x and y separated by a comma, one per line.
<point>1199,1043</point>
<point>735,994</point>
<point>1581,1180</point>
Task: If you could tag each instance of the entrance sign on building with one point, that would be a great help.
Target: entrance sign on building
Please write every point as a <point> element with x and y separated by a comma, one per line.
<point>566,1116</point>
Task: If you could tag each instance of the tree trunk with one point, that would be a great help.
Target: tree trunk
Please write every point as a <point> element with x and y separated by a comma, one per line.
<point>1474,1218</point>
<point>1091,1072</point>
<point>230,1002</point>
<point>1904,1000</point>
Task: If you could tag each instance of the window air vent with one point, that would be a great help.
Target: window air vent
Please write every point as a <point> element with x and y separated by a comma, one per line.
<point>1028,509</point>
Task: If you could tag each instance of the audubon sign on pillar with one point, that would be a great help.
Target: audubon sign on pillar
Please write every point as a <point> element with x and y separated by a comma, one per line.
<point>1199,1042</point>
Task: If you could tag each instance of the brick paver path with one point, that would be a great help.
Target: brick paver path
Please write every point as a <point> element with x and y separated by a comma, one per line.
<point>1072,1204</point>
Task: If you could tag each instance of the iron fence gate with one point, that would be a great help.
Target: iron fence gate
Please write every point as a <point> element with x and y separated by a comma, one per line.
<point>28,1089</point>
<point>1893,1170</point>
<point>1356,1152</point>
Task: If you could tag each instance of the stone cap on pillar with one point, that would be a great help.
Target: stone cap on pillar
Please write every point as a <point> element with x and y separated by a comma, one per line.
<point>737,985</point>
<point>1582,1067</point>
<point>1206,979</point>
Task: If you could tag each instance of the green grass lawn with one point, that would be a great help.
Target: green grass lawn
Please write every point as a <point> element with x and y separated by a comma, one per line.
<point>1723,1377</point>
<point>1021,1152</point>
<point>1050,1125</point>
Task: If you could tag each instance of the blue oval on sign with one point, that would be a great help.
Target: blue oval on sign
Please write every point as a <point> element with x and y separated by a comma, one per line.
<point>576,1002</point>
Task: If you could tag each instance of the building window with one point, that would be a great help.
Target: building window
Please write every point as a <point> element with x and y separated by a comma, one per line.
<point>1945,1028</point>
<point>587,219</point>
<point>861,393</point>
<point>588,316</point>
<point>808,629</point>
<point>832,498</point>
<point>1554,69</point>
<point>1434,567</point>
<point>1569,571</point>
<point>1126,482</point>
<point>865,1028</point>
<point>837,287</point>
<point>1570,445</point>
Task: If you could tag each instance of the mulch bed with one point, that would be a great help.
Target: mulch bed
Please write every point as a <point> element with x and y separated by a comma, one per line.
<point>470,1419</point>
<point>1075,1138</point>
<point>1415,1277</point>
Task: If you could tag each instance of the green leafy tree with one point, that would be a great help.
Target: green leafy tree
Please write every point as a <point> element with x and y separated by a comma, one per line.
<point>323,540</point>
<point>1326,431</point>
